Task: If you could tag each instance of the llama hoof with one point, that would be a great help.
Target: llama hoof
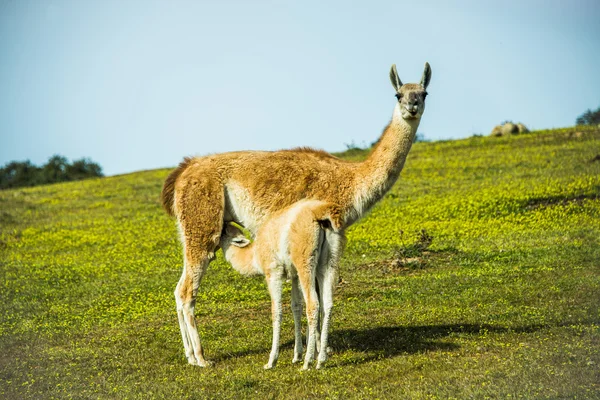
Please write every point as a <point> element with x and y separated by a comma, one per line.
<point>205,364</point>
<point>200,363</point>
<point>297,359</point>
<point>320,365</point>
<point>192,360</point>
<point>268,366</point>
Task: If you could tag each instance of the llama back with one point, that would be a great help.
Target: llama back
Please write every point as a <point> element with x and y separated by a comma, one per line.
<point>254,180</point>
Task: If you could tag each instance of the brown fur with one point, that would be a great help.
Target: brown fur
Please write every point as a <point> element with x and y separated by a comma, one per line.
<point>294,242</point>
<point>168,191</point>
<point>330,213</point>
<point>316,152</point>
<point>248,187</point>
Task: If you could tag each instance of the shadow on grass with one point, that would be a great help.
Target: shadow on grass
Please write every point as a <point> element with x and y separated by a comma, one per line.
<point>562,200</point>
<point>390,341</point>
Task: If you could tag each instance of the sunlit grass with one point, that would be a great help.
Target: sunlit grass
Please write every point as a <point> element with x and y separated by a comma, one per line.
<point>503,302</point>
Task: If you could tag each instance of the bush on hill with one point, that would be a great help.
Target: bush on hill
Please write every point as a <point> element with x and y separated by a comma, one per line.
<point>23,173</point>
<point>589,118</point>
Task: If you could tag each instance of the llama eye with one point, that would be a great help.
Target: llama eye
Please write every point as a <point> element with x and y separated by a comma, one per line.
<point>425,94</point>
<point>398,96</point>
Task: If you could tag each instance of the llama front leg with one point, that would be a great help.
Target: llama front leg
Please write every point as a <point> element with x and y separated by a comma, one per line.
<point>275,281</point>
<point>297,312</point>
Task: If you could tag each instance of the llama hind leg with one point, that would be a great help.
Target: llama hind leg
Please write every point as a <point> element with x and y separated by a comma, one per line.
<point>327,273</point>
<point>297,312</point>
<point>200,203</point>
<point>187,344</point>
<point>312,310</point>
<point>319,285</point>
<point>306,270</point>
<point>327,289</point>
<point>311,298</point>
<point>185,297</point>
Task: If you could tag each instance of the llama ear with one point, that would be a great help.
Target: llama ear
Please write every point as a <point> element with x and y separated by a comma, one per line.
<point>240,241</point>
<point>396,82</point>
<point>426,76</point>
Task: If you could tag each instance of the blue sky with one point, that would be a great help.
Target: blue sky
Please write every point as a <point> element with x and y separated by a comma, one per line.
<point>139,84</point>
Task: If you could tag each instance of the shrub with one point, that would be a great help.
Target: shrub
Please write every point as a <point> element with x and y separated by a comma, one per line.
<point>589,118</point>
<point>23,173</point>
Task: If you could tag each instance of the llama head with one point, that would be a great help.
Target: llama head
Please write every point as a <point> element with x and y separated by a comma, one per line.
<point>411,96</point>
<point>232,235</point>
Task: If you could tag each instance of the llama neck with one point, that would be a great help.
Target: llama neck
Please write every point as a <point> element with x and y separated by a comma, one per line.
<point>241,258</point>
<point>378,173</point>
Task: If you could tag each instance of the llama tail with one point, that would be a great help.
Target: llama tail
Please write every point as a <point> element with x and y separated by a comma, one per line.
<point>168,191</point>
<point>329,214</point>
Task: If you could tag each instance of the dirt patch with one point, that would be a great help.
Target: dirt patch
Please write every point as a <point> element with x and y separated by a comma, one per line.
<point>397,265</point>
<point>406,257</point>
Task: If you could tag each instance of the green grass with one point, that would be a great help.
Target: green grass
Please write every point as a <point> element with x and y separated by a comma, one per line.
<point>503,302</point>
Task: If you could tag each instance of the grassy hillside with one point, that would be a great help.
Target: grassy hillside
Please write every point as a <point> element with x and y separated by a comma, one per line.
<point>477,276</point>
